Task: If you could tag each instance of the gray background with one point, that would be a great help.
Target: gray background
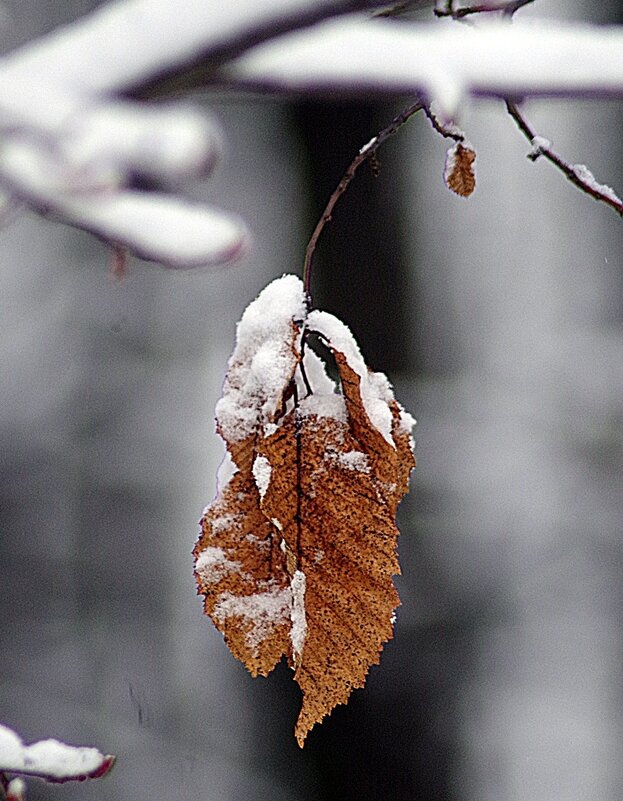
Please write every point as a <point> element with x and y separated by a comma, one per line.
<point>503,681</point>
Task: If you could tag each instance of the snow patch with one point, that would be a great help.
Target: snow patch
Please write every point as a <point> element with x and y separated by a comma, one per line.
<point>47,757</point>
<point>587,177</point>
<point>212,565</point>
<point>375,389</point>
<point>368,145</point>
<point>224,523</point>
<point>298,632</point>
<point>261,473</point>
<point>318,405</point>
<point>264,611</point>
<point>316,373</point>
<point>539,145</point>
<point>263,360</point>
<point>351,460</point>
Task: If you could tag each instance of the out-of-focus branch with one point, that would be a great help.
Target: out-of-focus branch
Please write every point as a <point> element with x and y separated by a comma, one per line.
<point>401,7</point>
<point>368,151</point>
<point>444,63</point>
<point>578,174</point>
<point>50,760</point>
<point>448,8</point>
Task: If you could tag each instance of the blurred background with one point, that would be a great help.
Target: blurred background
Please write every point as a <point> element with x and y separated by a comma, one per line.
<point>499,319</point>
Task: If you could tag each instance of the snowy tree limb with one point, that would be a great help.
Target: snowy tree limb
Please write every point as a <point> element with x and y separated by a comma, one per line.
<point>129,43</point>
<point>444,63</point>
<point>50,760</point>
<point>578,174</point>
<point>448,8</point>
<point>75,143</point>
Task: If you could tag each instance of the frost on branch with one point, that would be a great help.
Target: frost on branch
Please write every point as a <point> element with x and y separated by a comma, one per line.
<point>297,552</point>
<point>51,760</point>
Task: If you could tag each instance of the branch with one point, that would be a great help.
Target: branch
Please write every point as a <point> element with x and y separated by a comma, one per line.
<point>578,174</point>
<point>368,151</point>
<point>448,131</point>
<point>50,760</point>
<point>444,63</point>
<point>133,45</point>
<point>509,7</point>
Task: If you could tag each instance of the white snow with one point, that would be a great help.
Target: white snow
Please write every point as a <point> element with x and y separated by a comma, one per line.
<point>16,790</point>
<point>407,422</point>
<point>316,375</point>
<point>445,62</point>
<point>298,632</point>
<point>351,460</point>
<point>539,144</point>
<point>261,473</point>
<point>368,145</point>
<point>263,361</point>
<point>46,757</point>
<point>375,388</point>
<point>11,747</point>
<point>69,147</point>
<point>213,564</point>
<point>587,177</point>
<point>127,42</point>
<point>264,611</point>
<point>450,163</point>
<point>168,143</point>
<point>332,406</point>
<point>220,524</point>
<point>155,226</point>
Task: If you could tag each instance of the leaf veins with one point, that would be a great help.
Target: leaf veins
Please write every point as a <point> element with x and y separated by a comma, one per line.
<point>297,552</point>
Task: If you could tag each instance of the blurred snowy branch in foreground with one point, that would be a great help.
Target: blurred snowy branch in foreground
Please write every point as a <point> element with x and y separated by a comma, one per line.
<point>444,62</point>
<point>50,760</point>
<point>78,138</point>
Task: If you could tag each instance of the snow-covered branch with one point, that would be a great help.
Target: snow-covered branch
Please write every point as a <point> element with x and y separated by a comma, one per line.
<point>578,174</point>
<point>446,63</point>
<point>129,43</point>
<point>78,140</point>
<point>73,149</point>
<point>449,8</point>
<point>50,760</point>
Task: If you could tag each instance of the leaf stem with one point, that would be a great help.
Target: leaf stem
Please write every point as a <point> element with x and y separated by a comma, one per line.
<point>366,152</point>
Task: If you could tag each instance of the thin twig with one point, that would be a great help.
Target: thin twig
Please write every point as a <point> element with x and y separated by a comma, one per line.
<point>578,175</point>
<point>509,8</point>
<point>448,131</point>
<point>365,153</point>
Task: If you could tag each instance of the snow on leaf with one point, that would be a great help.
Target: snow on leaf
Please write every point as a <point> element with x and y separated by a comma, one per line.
<point>318,483</point>
<point>459,170</point>
<point>51,760</point>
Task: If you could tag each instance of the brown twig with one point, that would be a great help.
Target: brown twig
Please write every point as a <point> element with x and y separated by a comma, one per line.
<point>366,152</point>
<point>509,7</point>
<point>447,131</point>
<point>579,176</point>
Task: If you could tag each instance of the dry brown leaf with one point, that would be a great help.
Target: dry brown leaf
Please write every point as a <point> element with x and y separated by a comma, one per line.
<point>459,170</point>
<point>297,552</point>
